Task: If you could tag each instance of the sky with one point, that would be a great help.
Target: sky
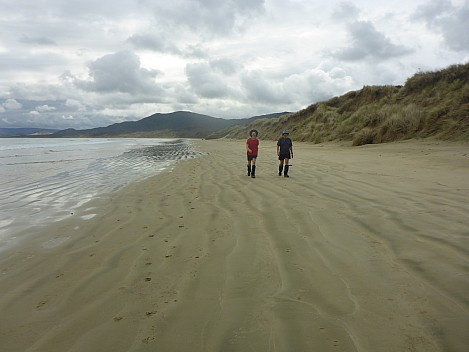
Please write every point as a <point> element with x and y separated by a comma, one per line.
<point>87,63</point>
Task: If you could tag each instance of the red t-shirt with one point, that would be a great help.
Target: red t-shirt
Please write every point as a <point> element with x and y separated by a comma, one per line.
<point>253,144</point>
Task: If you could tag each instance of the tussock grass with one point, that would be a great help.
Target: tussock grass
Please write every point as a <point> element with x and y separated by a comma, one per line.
<point>364,136</point>
<point>430,104</point>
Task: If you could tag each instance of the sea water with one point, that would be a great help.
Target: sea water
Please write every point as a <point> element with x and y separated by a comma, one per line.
<point>43,179</point>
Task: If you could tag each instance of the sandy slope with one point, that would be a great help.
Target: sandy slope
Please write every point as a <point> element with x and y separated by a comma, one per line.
<point>362,249</point>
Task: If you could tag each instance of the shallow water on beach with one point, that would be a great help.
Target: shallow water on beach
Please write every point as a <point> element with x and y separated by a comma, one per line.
<point>43,180</point>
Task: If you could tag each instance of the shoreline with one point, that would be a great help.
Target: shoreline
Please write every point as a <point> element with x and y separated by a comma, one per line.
<point>42,184</point>
<point>362,249</point>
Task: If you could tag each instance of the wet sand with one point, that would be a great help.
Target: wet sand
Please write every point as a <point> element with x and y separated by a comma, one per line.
<point>361,249</point>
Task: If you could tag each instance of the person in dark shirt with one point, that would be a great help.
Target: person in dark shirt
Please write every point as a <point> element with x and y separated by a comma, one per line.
<point>285,153</point>
<point>252,147</point>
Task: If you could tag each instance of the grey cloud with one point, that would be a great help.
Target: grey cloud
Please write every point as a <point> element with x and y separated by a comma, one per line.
<point>159,43</point>
<point>19,60</point>
<point>185,97</point>
<point>209,16</point>
<point>369,43</point>
<point>120,72</point>
<point>452,22</point>
<point>226,66</point>
<point>195,51</point>
<point>44,108</point>
<point>58,114</point>
<point>432,11</point>
<point>12,104</point>
<point>317,84</point>
<point>28,113</point>
<point>258,88</point>
<point>89,10</point>
<point>204,82</point>
<point>346,11</point>
<point>37,40</point>
<point>153,42</point>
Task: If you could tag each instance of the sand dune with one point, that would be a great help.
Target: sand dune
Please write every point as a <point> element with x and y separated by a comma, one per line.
<point>361,249</point>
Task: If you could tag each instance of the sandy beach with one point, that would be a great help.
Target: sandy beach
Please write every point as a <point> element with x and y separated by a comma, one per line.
<point>361,249</point>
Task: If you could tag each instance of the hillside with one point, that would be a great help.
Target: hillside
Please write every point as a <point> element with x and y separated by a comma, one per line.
<point>175,124</point>
<point>182,124</point>
<point>430,104</point>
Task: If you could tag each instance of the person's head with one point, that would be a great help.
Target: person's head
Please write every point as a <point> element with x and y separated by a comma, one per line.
<point>253,133</point>
<point>285,133</point>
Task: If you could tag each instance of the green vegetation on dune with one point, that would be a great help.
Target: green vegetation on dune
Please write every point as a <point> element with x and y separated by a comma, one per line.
<point>430,104</point>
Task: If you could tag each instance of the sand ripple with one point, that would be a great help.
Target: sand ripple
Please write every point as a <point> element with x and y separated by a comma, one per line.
<point>360,250</point>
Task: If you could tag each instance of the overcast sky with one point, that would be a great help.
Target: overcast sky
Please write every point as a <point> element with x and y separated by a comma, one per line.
<point>89,63</point>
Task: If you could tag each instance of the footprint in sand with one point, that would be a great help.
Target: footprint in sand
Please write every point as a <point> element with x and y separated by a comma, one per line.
<point>148,339</point>
<point>41,304</point>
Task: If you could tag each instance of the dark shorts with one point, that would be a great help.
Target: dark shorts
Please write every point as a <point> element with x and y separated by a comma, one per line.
<point>250,157</point>
<point>283,156</point>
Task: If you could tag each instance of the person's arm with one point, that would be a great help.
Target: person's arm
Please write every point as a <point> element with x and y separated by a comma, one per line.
<point>291,149</point>
<point>247,146</point>
<point>278,150</point>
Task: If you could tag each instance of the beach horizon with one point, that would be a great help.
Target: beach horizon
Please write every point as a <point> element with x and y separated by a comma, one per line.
<point>361,249</point>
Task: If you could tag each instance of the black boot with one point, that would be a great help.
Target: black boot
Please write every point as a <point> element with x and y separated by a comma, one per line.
<point>249,170</point>
<point>280,169</point>
<point>286,171</point>
<point>253,172</point>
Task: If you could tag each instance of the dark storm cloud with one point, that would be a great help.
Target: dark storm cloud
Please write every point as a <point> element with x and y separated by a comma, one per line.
<point>452,22</point>
<point>120,72</point>
<point>369,43</point>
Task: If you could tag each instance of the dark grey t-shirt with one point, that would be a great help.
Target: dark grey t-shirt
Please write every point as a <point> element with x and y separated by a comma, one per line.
<point>285,144</point>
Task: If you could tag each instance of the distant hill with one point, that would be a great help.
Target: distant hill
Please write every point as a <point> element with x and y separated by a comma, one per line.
<point>430,104</point>
<point>183,124</point>
<point>175,124</point>
<point>24,132</point>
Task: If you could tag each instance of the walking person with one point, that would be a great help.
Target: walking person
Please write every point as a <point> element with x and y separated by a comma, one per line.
<point>285,153</point>
<point>252,147</point>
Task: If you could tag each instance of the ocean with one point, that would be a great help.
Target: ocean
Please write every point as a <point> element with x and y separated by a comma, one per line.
<point>43,180</point>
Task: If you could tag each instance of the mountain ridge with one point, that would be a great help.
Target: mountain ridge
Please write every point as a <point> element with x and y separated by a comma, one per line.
<point>183,124</point>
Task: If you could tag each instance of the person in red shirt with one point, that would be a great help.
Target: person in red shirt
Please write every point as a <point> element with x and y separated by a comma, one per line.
<point>252,147</point>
